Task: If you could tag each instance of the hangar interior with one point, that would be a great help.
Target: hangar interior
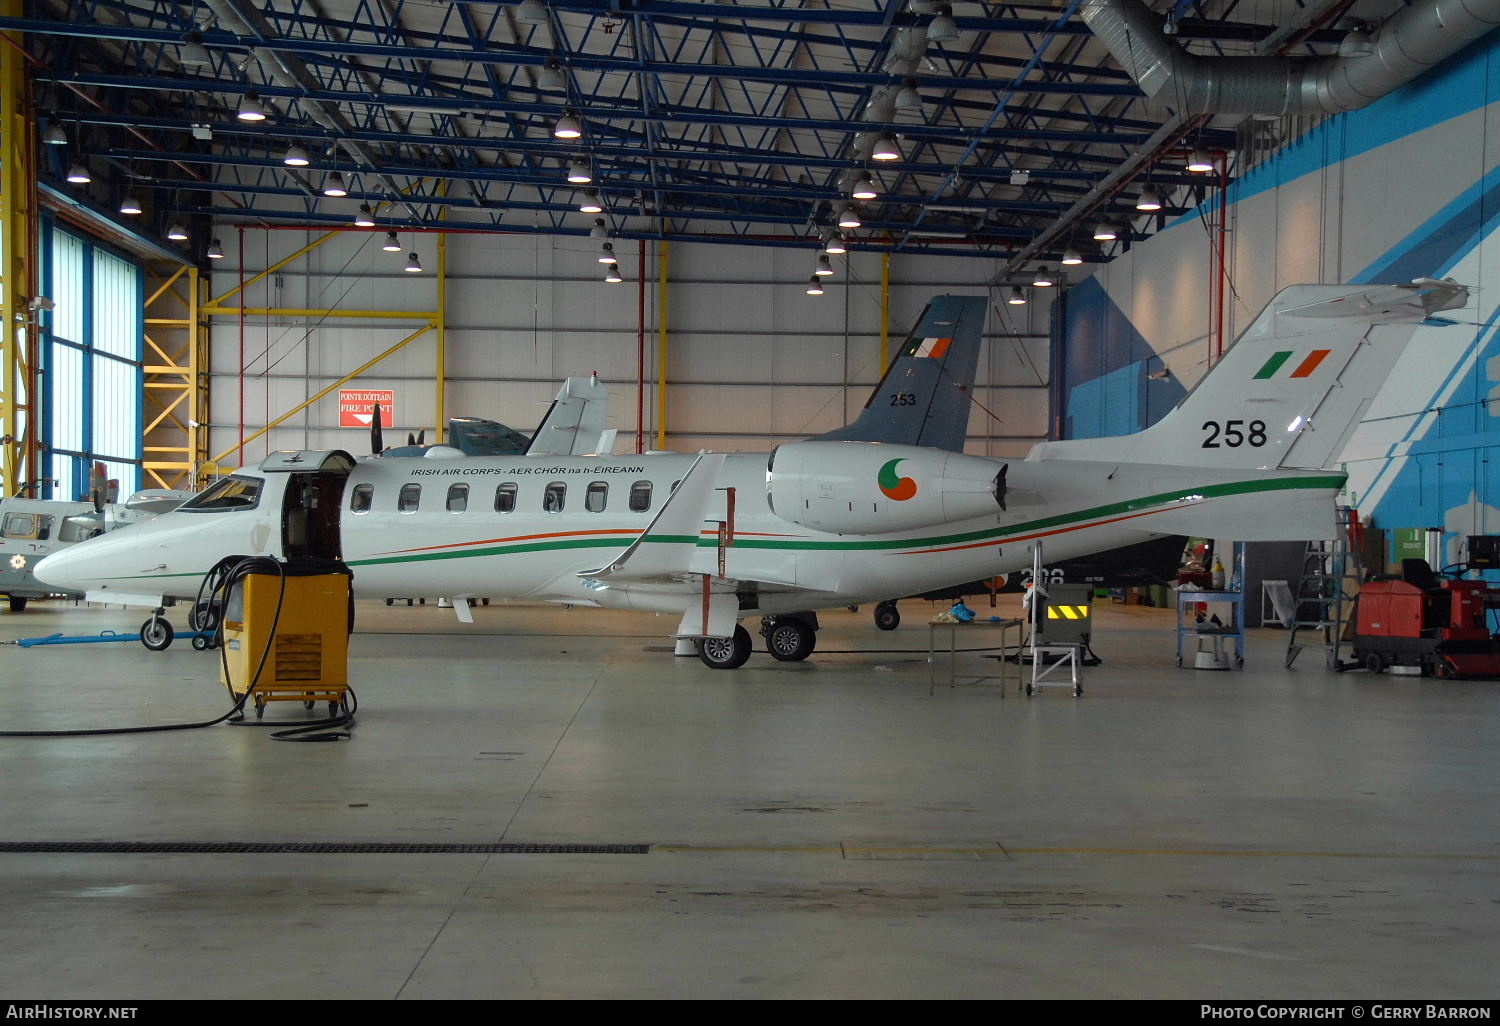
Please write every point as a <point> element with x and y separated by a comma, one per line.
<point>545,802</point>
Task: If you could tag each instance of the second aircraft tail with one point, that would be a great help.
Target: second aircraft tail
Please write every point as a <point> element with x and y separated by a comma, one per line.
<point>924,397</point>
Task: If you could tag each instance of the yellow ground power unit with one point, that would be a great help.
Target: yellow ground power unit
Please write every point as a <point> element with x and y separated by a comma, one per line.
<point>286,633</point>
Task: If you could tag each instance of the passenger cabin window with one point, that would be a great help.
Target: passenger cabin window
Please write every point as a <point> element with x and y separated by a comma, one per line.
<point>595,498</point>
<point>230,493</point>
<point>23,525</point>
<point>410,498</point>
<point>554,497</point>
<point>640,496</point>
<point>362,498</point>
<point>458,498</point>
<point>505,497</point>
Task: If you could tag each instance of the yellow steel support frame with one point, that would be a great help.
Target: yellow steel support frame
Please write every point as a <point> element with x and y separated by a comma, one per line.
<point>17,226</point>
<point>175,382</point>
<point>435,321</point>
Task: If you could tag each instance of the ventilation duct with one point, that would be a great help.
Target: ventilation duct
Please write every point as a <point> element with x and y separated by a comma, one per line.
<point>1407,44</point>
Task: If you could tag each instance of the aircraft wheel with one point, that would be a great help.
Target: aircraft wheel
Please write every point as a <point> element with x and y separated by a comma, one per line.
<point>390,602</point>
<point>17,604</point>
<point>790,640</point>
<point>887,616</point>
<point>156,634</point>
<point>725,653</point>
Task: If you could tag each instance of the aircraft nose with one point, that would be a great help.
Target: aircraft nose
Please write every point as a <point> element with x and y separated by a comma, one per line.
<point>61,570</point>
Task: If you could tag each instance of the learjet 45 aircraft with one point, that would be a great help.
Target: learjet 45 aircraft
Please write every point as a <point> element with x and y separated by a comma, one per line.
<point>715,538</point>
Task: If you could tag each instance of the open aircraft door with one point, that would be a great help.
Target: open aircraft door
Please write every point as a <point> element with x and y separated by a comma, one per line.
<point>311,499</point>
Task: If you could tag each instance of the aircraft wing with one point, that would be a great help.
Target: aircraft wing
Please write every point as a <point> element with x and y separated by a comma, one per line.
<point>665,549</point>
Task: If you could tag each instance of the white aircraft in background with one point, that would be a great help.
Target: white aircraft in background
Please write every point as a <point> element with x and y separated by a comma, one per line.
<point>832,521</point>
<point>32,529</point>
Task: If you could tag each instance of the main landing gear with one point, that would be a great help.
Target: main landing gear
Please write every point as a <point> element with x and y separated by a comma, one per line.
<point>725,653</point>
<point>790,638</point>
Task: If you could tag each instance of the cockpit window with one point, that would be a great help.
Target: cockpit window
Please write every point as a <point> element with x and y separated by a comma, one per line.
<point>233,492</point>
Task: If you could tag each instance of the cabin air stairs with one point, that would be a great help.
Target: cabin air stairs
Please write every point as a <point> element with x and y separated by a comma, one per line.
<point>1331,572</point>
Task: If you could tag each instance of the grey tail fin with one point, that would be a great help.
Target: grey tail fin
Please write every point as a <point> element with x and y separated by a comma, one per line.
<point>923,399</point>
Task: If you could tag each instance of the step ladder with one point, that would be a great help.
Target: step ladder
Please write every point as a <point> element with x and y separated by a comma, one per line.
<point>1325,592</point>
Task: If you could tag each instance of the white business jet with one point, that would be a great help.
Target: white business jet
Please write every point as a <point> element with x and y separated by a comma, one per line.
<point>715,538</point>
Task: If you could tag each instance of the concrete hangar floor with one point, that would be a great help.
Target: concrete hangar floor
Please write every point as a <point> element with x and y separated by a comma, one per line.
<point>825,829</point>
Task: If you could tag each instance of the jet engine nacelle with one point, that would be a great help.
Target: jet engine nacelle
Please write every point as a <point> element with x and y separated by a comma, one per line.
<point>874,488</point>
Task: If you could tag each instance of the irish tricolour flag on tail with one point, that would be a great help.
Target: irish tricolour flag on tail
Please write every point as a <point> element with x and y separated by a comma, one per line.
<point>1283,364</point>
<point>933,347</point>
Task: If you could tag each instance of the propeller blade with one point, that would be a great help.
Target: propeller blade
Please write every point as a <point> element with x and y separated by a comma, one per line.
<point>422,436</point>
<point>377,441</point>
<point>411,439</point>
<point>97,486</point>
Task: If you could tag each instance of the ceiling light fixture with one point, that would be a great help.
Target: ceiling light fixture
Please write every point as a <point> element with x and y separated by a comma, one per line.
<point>334,186</point>
<point>1043,279</point>
<point>552,78</point>
<point>215,251</point>
<point>847,218</point>
<point>176,232</point>
<point>391,244</point>
<point>1017,297</point>
<point>295,156</point>
<point>79,175</point>
<point>413,265</point>
<point>612,274</point>
<point>1149,199</point>
<point>885,147</point>
<point>864,187</point>
<point>815,286</point>
<point>1105,233</point>
<point>591,203</point>
<point>131,204</point>
<point>55,136</point>
<point>833,243</point>
<point>599,231</point>
<point>607,253</point>
<point>1201,162</point>
<point>250,108</point>
<point>907,97</point>
<point>825,267</point>
<point>531,12</point>
<point>578,172</point>
<point>942,28</point>
<point>192,53</point>
<point>1072,258</point>
<point>568,126</point>
<point>365,218</point>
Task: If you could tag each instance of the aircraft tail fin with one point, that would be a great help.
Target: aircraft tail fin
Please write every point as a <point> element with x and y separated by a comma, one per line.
<point>1292,388</point>
<point>923,399</point>
<point>574,424</point>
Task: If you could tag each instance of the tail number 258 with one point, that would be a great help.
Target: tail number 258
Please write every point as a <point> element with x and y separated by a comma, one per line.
<point>1231,434</point>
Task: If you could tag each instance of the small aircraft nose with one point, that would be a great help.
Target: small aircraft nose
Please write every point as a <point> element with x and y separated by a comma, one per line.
<point>61,570</point>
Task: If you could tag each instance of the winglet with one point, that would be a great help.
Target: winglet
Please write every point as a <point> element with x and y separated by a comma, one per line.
<point>667,544</point>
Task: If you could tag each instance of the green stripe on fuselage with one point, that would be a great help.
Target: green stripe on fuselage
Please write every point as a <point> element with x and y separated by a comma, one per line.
<point>998,534</point>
